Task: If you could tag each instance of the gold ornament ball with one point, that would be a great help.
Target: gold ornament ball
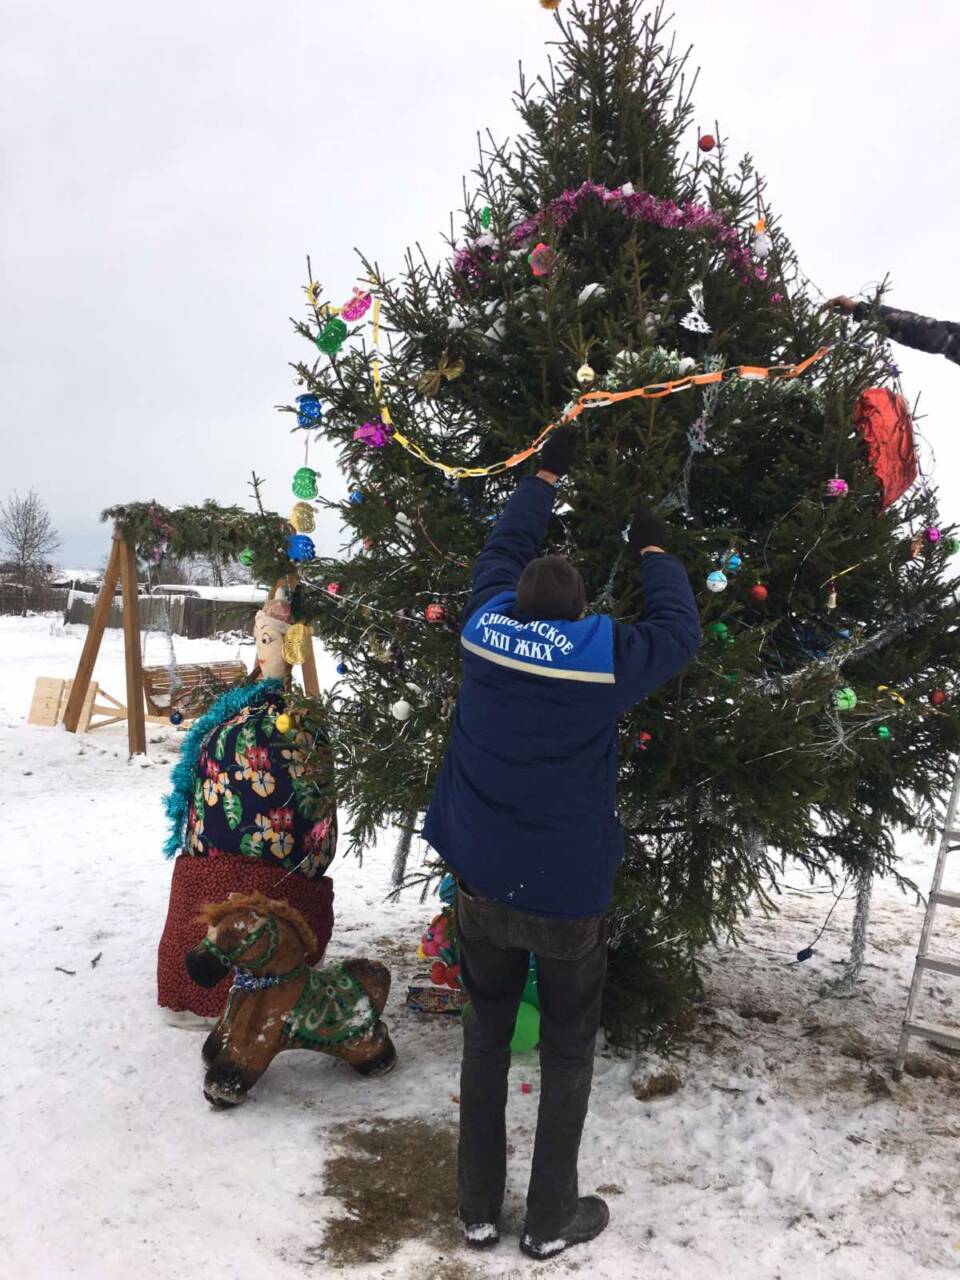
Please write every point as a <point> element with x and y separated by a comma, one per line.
<point>284,723</point>
<point>549,4</point>
<point>585,376</point>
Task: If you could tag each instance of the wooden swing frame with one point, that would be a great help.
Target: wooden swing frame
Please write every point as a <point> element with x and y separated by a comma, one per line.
<point>122,568</point>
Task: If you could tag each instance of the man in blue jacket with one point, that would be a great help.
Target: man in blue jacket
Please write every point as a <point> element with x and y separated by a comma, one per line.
<point>524,813</point>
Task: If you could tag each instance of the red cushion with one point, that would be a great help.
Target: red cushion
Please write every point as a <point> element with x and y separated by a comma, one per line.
<point>200,880</point>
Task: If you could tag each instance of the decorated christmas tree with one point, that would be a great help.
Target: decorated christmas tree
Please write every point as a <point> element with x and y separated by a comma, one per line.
<point>604,274</point>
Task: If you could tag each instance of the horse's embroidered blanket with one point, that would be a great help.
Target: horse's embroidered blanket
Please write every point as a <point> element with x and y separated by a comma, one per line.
<point>332,1009</point>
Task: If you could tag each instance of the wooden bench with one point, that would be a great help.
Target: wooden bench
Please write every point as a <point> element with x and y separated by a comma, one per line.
<point>159,691</point>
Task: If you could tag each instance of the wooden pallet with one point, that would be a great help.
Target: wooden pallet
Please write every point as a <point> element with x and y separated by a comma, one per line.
<point>50,698</point>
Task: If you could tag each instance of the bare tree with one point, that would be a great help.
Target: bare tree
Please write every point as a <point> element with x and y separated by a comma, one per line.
<point>28,538</point>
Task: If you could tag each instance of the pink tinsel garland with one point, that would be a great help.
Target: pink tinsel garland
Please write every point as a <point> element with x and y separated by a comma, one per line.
<point>639,205</point>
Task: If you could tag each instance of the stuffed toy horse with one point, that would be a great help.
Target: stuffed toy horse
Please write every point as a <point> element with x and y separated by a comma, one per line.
<point>277,1002</point>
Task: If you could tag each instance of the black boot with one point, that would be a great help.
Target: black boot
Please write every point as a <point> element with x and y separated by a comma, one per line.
<point>591,1217</point>
<point>480,1235</point>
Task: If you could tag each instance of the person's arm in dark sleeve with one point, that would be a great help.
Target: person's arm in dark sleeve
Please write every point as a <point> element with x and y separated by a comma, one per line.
<point>923,333</point>
<point>516,540</point>
<point>649,653</point>
<point>518,535</point>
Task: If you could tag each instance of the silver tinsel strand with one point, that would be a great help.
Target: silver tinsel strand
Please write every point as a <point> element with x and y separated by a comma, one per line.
<point>845,985</point>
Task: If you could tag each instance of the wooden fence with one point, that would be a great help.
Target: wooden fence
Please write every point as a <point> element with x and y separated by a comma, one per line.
<point>39,600</point>
<point>188,615</point>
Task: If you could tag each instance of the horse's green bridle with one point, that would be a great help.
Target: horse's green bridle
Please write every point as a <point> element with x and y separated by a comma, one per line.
<point>229,958</point>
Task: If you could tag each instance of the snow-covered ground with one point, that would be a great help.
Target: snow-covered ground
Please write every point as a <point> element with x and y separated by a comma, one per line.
<point>786,1151</point>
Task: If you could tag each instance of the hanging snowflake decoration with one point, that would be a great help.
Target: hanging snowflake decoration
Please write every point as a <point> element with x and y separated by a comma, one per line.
<point>695,320</point>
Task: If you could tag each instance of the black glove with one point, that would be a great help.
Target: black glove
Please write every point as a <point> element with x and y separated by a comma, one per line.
<point>645,531</point>
<point>557,454</point>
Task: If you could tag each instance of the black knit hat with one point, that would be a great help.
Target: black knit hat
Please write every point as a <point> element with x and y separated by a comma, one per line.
<point>550,588</point>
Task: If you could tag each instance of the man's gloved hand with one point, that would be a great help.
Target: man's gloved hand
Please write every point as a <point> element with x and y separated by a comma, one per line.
<point>645,531</point>
<point>557,454</point>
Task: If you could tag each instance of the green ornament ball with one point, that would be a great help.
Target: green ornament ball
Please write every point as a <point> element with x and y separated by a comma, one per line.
<point>526,1032</point>
<point>246,557</point>
<point>719,630</point>
<point>844,699</point>
<point>331,337</point>
<point>883,732</point>
<point>305,482</point>
<point>953,546</point>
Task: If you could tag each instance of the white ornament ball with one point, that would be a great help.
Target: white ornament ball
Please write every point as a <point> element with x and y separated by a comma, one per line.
<point>686,365</point>
<point>717,581</point>
<point>761,245</point>
<point>401,710</point>
<point>404,522</point>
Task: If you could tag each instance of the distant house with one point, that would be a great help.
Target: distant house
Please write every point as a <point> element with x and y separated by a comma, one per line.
<point>87,580</point>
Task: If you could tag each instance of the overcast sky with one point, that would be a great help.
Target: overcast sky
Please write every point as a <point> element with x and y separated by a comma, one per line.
<point>167,167</point>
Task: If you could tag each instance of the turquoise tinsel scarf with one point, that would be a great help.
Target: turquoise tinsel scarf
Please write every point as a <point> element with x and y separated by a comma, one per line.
<point>177,803</point>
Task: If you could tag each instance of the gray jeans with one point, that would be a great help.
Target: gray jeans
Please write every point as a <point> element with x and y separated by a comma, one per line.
<point>495,944</point>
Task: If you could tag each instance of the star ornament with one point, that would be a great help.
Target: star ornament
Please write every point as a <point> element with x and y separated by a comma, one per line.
<point>428,384</point>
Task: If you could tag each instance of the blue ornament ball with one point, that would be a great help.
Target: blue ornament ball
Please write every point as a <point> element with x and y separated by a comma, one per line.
<point>176,717</point>
<point>356,497</point>
<point>734,562</point>
<point>716,581</point>
<point>309,411</point>
<point>341,668</point>
<point>300,548</point>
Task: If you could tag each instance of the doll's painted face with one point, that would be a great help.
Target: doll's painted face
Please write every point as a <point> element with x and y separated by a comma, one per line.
<point>269,638</point>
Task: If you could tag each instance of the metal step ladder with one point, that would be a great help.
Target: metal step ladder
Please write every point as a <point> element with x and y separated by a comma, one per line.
<point>927,961</point>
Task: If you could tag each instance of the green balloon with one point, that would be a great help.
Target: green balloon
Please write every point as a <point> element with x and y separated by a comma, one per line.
<point>526,1030</point>
<point>531,994</point>
<point>526,1033</point>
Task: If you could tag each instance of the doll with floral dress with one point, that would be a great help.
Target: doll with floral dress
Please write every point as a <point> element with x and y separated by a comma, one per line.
<point>252,809</point>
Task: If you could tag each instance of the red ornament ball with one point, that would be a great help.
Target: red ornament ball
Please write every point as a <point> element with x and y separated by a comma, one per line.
<point>707,142</point>
<point>334,588</point>
<point>435,613</point>
<point>937,698</point>
<point>542,259</point>
<point>759,593</point>
<point>643,738</point>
